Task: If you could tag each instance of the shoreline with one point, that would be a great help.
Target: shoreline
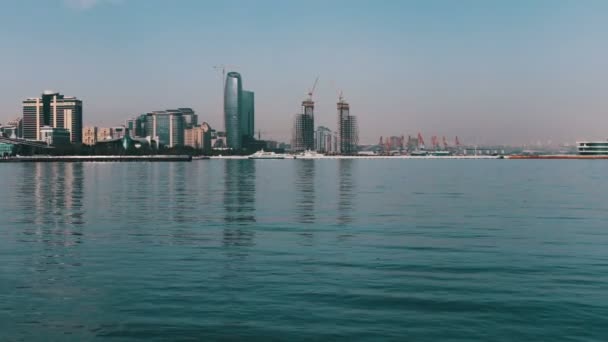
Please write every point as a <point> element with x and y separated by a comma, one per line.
<point>49,159</point>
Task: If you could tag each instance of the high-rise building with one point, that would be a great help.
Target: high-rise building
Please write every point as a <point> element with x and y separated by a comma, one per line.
<point>233,104</point>
<point>89,135</point>
<point>137,126</point>
<point>348,133</point>
<point>323,139</point>
<point>54,110</point>
<point>190,117</point>
<point>304,127</point>
<point>248,115</point>
<point>166,127</point>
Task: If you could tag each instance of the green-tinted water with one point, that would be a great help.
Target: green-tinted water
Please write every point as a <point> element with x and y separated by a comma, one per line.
<point>420,250</point>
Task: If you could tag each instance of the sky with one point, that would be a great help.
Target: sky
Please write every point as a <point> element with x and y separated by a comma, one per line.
<point>513,72</point>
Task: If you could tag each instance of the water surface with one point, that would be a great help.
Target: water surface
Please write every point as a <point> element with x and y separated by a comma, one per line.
<point>420,250</point>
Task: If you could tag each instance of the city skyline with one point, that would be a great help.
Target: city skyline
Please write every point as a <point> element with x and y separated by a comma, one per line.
<point>506,73</point>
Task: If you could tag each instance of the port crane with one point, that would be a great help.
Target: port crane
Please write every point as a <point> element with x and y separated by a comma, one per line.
<point>420,141</point>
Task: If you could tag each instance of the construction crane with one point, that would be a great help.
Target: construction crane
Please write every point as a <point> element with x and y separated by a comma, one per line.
<point>445,143</point>
<point>312,90</point>
<point>420,141</point>
<point>457,142</point>
<point>222,68</point>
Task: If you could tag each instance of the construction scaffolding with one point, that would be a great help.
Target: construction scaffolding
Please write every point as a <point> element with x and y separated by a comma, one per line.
<point>348,130</point>
<point>303,137</point>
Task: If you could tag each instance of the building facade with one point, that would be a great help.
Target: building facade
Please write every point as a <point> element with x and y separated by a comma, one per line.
<point>104,133</point>
<point>166,127</point>
<point>55,136</point>
<point>119,132</point>
<point>190,117</point>
<point>348,132</point>
<point>89,136</point>
<point>232,110</point>
<point>323,139</point>
<point>54,110</point>
<point>590,148</point>
<point>137,126</point>
<point>304,128</point>
<point>198,137</point>
<point>248,115</point>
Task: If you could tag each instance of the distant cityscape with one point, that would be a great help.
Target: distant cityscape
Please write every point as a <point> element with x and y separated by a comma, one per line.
<point>53,123</point>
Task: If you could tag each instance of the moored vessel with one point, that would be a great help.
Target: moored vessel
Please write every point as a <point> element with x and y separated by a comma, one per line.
<point>261,154</point>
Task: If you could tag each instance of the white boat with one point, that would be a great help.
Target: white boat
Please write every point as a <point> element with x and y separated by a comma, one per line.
<point>261,154</point>
<point>309,155</point>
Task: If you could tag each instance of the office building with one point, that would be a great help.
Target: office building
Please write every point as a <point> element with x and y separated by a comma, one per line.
<point>248,115</point>
<point>54,110</point>
<point>137,126</point>
<point>89,136</point>
<point>166,127</point>
<point>233,91</point>
<point>348,134</point>
<point>190,117</point>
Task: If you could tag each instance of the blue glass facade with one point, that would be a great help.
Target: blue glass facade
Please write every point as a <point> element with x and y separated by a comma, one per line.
<point>248,114</point>
<point>233,97</point>
<point>167,127</point>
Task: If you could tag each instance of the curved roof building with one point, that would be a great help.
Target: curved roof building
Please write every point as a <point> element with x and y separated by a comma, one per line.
<point>233,98</point>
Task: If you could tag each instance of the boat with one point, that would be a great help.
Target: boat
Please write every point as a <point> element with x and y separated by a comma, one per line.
<point>261,154</point>
<point>419,153</point>
<point>308,154</point>
<point>440,153</point>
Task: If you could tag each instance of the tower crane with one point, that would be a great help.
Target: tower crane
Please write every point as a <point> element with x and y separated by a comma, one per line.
<point>222,68</point>
<point>312,90</point>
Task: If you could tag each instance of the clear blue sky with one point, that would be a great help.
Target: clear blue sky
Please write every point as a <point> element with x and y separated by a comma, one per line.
<point>489,71</point>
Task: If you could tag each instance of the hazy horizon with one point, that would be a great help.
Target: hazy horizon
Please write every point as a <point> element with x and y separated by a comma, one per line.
<point>501,72</point>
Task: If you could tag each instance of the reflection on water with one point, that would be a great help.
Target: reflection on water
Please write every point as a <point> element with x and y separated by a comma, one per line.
<point>346,191</point>
<point>239,202</point>
<point>305,191</point>
<point>53,192</point>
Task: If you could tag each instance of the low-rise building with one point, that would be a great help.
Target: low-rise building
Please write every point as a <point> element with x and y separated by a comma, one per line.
<point>89,135</point>
<point>198,137</point>
<point>104,133</point>
<point>55,136</point>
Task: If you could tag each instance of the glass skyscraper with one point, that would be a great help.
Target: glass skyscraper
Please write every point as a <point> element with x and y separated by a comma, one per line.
<point>248,114</point>
<point>239,112</point>
<point>233,104</point>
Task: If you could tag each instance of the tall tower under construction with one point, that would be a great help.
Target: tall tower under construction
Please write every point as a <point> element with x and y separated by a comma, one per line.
<point>348,132</point>
<point>304,125</point>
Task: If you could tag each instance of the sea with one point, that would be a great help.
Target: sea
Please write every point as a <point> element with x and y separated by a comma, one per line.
<point>305,250</point>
